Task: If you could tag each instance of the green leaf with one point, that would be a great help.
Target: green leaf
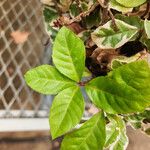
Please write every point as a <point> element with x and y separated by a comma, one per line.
<point>66,111</point>
<point>87,73</point>
<point>131,20</point>
<point>74,9</point>
<point>46,79</point>
<point>69,54</point>
<point>52,32</point>
<point>122,60</point>
<point>145,41</point>
<point>93,19</point>
<point>50,14</point>
<point>135,120</point>
<point>147,27</point>
<point>135,75</point>
<point>115,5</point>
<point>106,37</point>
<point>91,135</point>
<point>126,90</point>
<point>122,140</point>
<point>112,132</point>
<point>131,3</point>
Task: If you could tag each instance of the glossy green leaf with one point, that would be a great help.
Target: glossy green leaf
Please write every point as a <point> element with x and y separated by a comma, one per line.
<point>69,54</point>
<point>49,14</point>
<point>115,5</point>
<point>135,75</point>
<point>122,140</point>
<point>147,27</point>
<point>46,79</point>
<point>66,111</point>
<point>106,37</point>
<point>131,3</point>
<point>91,135</point>
<point>126,90</point>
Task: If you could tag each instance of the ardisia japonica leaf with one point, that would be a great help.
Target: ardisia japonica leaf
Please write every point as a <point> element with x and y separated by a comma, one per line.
<point>69,54</point>
<point>115,5</point>
<point>90,136</point>
<point>122,140</point>
<point>126,90</point>
<point>147,27</point>
<point>106,37</point>
<point>131,20</point>
<point>46,79</point>
<point>112,132</point>
<point>135,120</point>
<point>66,111</point>
<point>49,14</point>
<point>131,3</point>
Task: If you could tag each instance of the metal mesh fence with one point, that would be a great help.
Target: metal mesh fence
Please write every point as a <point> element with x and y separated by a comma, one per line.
<point>16,99</point>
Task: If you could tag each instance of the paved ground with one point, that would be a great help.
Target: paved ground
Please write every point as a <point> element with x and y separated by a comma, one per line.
<point>42,141</point>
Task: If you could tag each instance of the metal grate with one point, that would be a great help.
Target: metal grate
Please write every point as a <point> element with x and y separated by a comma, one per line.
<point>16,99</point>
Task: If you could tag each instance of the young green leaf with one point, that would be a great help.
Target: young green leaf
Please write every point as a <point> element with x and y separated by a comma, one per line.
<point>131,3</point>
<point>125,92</point>
<point>69,54</point>
<point>66,111</point>
<point>46,79</point>
<point>91,135</point>
<point>106,37</point>
<point>135,75</point>
<point>147,27</point>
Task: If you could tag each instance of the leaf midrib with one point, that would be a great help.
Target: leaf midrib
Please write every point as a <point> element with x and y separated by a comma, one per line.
<point>93,87</point>
<point>67,107</point>
<point>49,80</point>
<point>89,133</point>
<point>72,59</point>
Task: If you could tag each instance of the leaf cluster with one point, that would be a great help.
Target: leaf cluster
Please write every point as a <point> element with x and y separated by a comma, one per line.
<point>111,39</point>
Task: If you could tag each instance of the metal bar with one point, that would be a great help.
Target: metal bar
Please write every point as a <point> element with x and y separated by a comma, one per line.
<point>16,125</point>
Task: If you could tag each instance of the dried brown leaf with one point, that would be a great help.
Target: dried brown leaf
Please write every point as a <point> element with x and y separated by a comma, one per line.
<point>19,37</point>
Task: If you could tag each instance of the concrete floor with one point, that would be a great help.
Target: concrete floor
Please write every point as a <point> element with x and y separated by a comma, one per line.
<point>42,141</point>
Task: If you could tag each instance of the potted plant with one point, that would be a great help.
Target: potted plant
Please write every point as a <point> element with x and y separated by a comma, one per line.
<point>108,42</point>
